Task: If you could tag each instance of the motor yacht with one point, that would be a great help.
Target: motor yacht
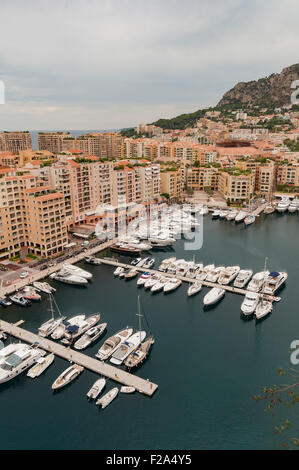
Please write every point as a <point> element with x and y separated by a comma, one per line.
<point>135,261</point>
<point>149,263</point>
<point>60,330</point>
<point>96,389</point>
<point>30,293</point>
<point>231,215</point>
<point>90,336</point>
<point>112,343</point>
<point>194,288</point>
<point>41,365</point>
<point>108,398</point>
<point>228,275</point>
<point>18,299</point>
<point>67,278</point>
<point>240,217</point>
<point>294,206</point>
<point>152,280</point>
<point>213,296</point>
<point>171,285</point>
<point>5,302</point>
<point>283,205</point>
<point>165,263</point>
<point>127,347</point>
<point>250,219</point>
<point>249,303</point>
<point>243,278</point>
<point>143,278</point>
<point>131,274</point>
<point>264,308</point>
<point>159,285</point>
<point>74,331</point>
<point>214,274</point>
<point>67,376</point>
<point>202,275</point>
<point>258,281</point>
<point>77,271</point>
<point>92,260</point>
<point>274,281</point>
<point>119,270</point>
<point>44,287</point>
<point>216,214</point>
<point>223,214</point>
<point>269,210</point>
<point>17,362</point>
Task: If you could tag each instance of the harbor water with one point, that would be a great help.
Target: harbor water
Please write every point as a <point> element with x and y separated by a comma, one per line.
<point>208,363</point>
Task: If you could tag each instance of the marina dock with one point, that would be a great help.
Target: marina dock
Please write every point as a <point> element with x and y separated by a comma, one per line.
<point>118,375</point>
<point>232,289</point>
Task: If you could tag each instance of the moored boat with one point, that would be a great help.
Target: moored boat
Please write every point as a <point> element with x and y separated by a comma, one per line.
<point>243,277</point>
<point>140,354</point>
<point>263,309</point>
<point>240,217</point>
<point>214,296</point>
<point>194,288</point>
<point>250,303</point>
<point>125,389</point>
<point>171,285</point>
<point>67,278</point>
<point>60,330</point>
<point>112,343</point>
<point>74,331</point>
<point>108,397</point>
<point>228,275</point>
<point>127,347</point>
<point>90,336</point>
<point>274,281</point>
<point>67,376</point>
<point>44,287</point>
<point>96,389</point>
<point>41,365</point>
<point>19,299</point>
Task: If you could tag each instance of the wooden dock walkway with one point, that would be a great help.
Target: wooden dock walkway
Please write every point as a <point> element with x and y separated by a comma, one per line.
<point>125,378</point>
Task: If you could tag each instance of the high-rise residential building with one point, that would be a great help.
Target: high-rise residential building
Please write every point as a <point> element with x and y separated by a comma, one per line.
<point>236,185</point>
<point>171,183</point>
<point>52,141</point>
<point>15,141</point>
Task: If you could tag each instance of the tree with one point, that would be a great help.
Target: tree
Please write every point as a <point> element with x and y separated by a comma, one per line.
<point>284,394</point>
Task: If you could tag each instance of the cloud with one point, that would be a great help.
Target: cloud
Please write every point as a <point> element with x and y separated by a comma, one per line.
<point>113,63</point>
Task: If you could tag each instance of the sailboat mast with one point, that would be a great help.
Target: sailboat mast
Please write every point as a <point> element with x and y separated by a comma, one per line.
<point>139,317</point>
<point>51,306</point>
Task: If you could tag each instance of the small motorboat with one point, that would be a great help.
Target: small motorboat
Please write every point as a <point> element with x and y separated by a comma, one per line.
<point>143,278</point>
<point>90,336</point>
<point>92,260</point>
<point>171,285</point>
<point>131,274</point>
<point>119,270</point>
<point>240,217</point>
<point>44,287</point>
<point>214,296</point>
<point>41,365</point>
<point>96,389</point>
<point>194,288</point>
<point>19,299</point>
<point>250,219</point>
<point>250,303</point>
<point>125,389</point>
<point>5,302</point>
<point>29,293</point>
<point>263,309</point>
<point>108,398</point>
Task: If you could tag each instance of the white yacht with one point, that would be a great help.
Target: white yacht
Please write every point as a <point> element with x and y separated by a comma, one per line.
<point>243,277</point>
<point>283,205</point>
<point>59,332</point>
<point>143,278</point>
<point>194,288</point>
<point>67,376</point>
<point>274,281</point>
<point>127,347</point>
<point>263,309</point>
<point>294,206</point>
<point>44,287</point>
<point>18,361</point>
<point>74,331</point>
<point>112,343</point>
<point>77,271</point>
<point>125,389</point>
<point>90,336</point>
<point>171,285</point>
<point>250,219</point>
<point>41,365</point>
<point>223,214</point>
<point>232,215</point>
<point>149,263</point>
<point>202,275</point>
<point>216,214</point>
<point>250,302</point>
<point>64,276</point>
<point>213,296</point>
<point>159,285</point>
<point>96,389</point>
<point>119,270</point>
<point>228,275</point>
<point>165,263</point>
<point>149,283</point>
<point>258,281</point>
<point>108,397</point>
<point>240,217</point>
<point>9,350</point>
<point>214,275</point>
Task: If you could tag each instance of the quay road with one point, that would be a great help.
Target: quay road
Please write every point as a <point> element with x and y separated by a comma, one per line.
<point>118,375</point>
<point>45,273</point>
<point>235,290</point>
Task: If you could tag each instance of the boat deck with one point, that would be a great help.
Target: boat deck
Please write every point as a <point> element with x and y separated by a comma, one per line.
<point>125,378</point>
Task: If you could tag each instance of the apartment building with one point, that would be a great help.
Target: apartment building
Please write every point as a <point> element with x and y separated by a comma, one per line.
<point>52,141</point>
<point>171,183</point>
<point>201,178</point>
<point>15,141</point>
<point>236,185</point>
<point>288,174</point>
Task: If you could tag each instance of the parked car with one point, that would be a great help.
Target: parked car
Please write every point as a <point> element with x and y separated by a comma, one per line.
<point>42,268</point>
<point>24,274</point>
<point>85,243</point>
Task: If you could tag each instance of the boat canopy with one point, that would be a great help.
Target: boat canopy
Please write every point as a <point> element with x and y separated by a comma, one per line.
<point>274,274</point>
<point>72,329</point>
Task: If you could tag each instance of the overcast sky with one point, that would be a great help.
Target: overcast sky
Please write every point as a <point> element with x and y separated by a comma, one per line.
<point>102,64</point>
